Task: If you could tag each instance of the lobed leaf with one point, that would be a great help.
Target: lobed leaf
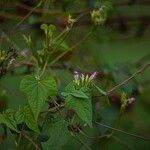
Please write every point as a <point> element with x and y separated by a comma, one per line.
<point>26,115</point>
<point>82,107</point>
<point>8,119</point>
<point>37,91</point>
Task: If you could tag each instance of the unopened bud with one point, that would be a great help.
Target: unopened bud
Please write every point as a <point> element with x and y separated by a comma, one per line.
<point>131,100</point>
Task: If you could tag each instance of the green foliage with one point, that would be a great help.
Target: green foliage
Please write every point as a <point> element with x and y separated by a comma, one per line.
<point>79,101</point>
<point>7,118</point>
<point>57,131</point>
<point>37,90</point>
<point>26,115</point>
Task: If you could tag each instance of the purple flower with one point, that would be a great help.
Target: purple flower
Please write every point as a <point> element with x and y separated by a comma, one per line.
<point>93,75</point>
<point>76,74</point>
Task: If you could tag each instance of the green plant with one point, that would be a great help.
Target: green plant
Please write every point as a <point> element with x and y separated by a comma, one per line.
<point>52,115</point>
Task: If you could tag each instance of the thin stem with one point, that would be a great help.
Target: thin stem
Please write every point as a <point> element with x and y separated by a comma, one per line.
<point>19,139</point>
<point>61,55</point>
<point>121,142</point>
<point>29,139</point>
<point>45,65</point>
<point>60,35</point>
<point>67,31</point>
<point>91,137</point>
<point>124,132</point>
<point>32,10</point>
<point>65,36</point>
<point>80,141</point>
<point>74,46</point>
<point>128,79</point>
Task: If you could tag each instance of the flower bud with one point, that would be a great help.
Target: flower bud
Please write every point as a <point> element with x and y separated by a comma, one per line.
<point>131,100</point>
<point>76,77</point>
<point>93,76</point>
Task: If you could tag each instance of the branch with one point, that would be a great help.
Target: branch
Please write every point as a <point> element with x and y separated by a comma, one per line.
<point>128,79</point>
<point>28,14</point>
<point>80,141</point>
<point>74,46</point>
<point>29,139</point>
<point>121,142</point>
<point>125,81</point>
<point>124,132</point>
<point>91,137</point>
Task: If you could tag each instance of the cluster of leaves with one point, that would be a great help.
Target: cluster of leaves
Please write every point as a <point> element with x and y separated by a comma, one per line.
<point>55,127</point>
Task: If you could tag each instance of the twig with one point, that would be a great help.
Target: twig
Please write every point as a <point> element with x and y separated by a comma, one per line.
<point>29,139</point>
<point>91,137</point>
<point>80,141</point>
<point>128,79</point>
<point>30,12</point>
<point>125,81</point>
<point>124,132</point>
<point>19,139</point>
<point>74,46</point>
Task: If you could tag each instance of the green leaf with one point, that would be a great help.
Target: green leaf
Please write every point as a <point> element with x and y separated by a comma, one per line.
<point>79,94</point>
<point>57,131</point>
<point>83,108</point>
<point>8,119</point>
<point>37,91</point>
<point>70,87</point>
<point>70,90</point>
<point>26,115</point>
<point>79,100</point>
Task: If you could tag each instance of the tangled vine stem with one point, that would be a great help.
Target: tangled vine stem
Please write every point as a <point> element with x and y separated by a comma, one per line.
<point>124,132</point>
